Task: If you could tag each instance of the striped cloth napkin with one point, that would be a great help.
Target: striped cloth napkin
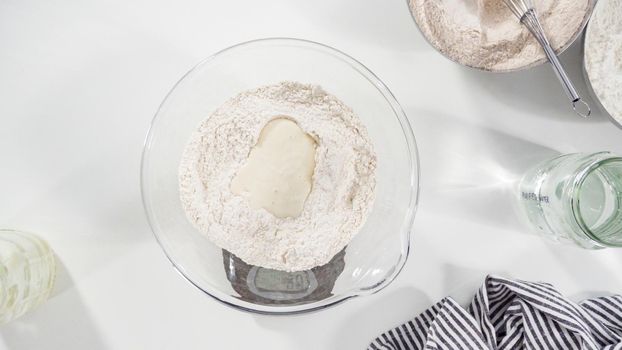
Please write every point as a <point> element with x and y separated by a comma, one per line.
<point>508,314</point>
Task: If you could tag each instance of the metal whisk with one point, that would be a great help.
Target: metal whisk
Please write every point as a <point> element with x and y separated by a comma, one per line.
<point>526,13</point>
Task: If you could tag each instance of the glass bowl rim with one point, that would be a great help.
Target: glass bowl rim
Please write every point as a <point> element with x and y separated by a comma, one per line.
<point>409,217</point>
<point>577,183</point>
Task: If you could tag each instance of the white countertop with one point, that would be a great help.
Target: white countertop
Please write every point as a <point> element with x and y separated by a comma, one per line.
<point>81,80</point>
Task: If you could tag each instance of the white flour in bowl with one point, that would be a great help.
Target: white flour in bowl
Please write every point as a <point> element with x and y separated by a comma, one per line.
<point>342,190</point>
<point>485,34</point>
<point>603,55</point>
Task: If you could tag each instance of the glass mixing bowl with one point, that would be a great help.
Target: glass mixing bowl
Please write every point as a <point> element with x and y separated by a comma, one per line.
<point>573,38</point>
<point>376,254</point>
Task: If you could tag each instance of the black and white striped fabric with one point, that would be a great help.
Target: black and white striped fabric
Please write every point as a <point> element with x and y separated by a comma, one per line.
<point>508,314</point>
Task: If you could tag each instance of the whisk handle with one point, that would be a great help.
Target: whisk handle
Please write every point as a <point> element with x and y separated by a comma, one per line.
<point>580,107</point>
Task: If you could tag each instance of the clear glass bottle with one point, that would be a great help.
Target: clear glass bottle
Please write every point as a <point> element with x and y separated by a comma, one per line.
<point>576,198</point>
<point>27,273</point>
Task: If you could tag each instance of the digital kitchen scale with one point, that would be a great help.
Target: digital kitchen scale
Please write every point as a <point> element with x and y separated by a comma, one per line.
<point>273,287</point>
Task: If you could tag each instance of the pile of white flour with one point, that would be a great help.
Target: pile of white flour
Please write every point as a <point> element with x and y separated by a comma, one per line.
<point>343,180</point>
<point>485,34</point>
<point>603,55</point>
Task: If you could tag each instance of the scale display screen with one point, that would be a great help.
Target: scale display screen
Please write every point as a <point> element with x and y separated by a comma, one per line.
<point>279,285</point>
<point>276,281</point>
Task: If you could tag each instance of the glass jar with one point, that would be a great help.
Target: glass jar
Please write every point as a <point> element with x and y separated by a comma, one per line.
<point>576,198</point>
<point>27,273</point>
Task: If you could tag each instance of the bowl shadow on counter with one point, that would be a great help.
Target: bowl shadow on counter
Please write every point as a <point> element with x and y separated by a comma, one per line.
<point>472,171</point>
<point>537,91</point>
<point>63,322</point>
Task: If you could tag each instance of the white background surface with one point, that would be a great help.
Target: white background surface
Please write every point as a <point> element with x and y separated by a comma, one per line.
<point>81,80</point>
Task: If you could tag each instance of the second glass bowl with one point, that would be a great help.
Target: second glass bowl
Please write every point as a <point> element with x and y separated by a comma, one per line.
<point>535,63</point>
<point>376,254</point>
